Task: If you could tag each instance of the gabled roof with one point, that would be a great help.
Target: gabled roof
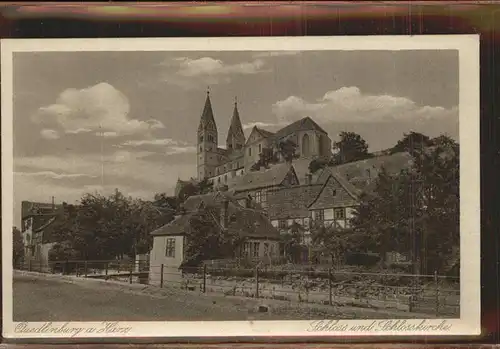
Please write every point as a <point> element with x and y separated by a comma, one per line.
<point>261,132</point>
<point>272,176</point>
<point>293,202</point>
<point>327,198</point>
<point>301,125</point>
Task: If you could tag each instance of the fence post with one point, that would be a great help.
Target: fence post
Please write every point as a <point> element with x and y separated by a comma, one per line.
<point>330,286</point>
<point>85,266</point>
<point>106,271</point>
<point>256,282</point>
<point>130,273</point>
<point>436,285</point>
<point>161,277</point>
<point>204,278</point>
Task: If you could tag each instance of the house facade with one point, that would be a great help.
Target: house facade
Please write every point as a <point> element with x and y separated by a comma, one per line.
<point>260,240</point>
<point>36,217</point>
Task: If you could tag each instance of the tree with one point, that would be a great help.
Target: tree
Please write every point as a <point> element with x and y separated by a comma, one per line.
<point>18,246</point>
<point>107,227</point>
<point>266,158</point>
<point>318,164</point>
<point>351,147</point>
<point>335,241</point>
<point>410,142</point>
<point>288,150</point>
<point>192,188</point>
<point>207,240</point>
<point>417,210</point>
<point>292,242</point>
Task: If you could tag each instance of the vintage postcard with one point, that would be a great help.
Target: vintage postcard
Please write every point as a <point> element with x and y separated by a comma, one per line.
<point>220,187</point>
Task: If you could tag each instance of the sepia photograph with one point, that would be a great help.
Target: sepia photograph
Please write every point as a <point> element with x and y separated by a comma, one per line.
<point>264,186</point>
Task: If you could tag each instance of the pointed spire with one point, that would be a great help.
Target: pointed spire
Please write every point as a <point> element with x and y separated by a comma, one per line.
<point>235,134</point>
<point>207,117</point>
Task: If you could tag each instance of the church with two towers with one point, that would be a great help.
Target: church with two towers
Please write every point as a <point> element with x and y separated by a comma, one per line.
<point>222,164</point>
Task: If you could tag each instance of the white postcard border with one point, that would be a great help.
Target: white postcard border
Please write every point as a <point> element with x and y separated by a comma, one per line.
<point>469,322</point>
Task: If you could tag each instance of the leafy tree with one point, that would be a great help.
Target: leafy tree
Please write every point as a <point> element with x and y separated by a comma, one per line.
<point>411,142</point>
<point>318,164</point>
<point>288,150</point>
<point>107,227</point>
<point>191,189</point>
<point>18,246</point>
<point>266,158</point>
<point>417,210</point>
<point>351,147</point>
<point>292,242</point>
<point>335,241</point>
<point>207,240</point>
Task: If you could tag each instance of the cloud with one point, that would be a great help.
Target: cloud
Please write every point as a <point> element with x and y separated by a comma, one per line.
<point>192,73</point>
<point>99,108</point>
<point>260,124</point>
<point>77,131</point>
<point>49,134</point>
<point>275,54</point>
<point>53,175</point>
<point>159,142</point>
<point>170,146</point>
<point>349,104</point>
<point>180,150</point>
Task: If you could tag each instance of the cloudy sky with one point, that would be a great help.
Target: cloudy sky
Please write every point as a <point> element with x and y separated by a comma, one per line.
<point>95,121</point>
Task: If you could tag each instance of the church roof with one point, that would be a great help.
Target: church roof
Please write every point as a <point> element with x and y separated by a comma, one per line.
<point>301,125</point>
<point>207,117</point>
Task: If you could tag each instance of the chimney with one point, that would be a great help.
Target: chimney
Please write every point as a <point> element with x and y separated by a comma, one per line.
<point>308,179</point>
<point>224,213</point>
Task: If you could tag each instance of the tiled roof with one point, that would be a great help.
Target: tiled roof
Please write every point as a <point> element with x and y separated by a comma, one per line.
<point>177,227</point>
<point>272,176</point>
<point>301,125</point>
<point>292,202</point>
<point>362,173</point>
<point>245,221</point>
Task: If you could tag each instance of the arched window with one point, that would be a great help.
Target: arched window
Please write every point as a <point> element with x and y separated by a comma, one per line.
<point>306,151</point>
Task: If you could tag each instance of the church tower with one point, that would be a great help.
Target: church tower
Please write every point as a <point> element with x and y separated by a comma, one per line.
<point>207,142</point>
<point>235,137</point>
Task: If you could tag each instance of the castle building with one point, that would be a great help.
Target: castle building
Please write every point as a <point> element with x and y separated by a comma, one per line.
<point>220,165</point>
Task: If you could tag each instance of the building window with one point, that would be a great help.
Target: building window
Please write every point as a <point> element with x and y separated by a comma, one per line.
<point>201,148</point>
<point>210,138</point>
<point>257,197</point>
<point>170,248</point>
<point>266,249</point>
<point>249,151</point>
<point>246,249</point>
<point>263,197</point>
<point>340,213</point>
<point>260,148</point>
<point>282,224</point>
<point>225,178</point>
<point>218,180</point>
<point>201,139</point>
<point>256,246</point>
<point>319,215</point>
